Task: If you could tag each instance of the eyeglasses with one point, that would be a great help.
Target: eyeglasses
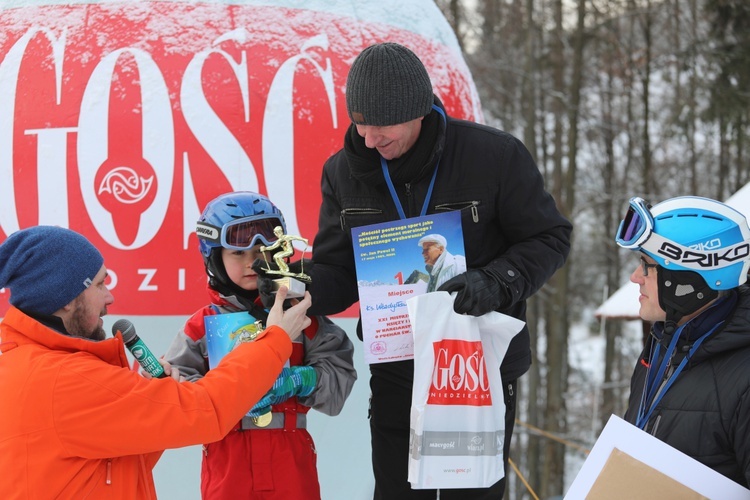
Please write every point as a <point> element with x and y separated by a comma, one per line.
<point>241,234</point>
<point>637,225</point>
<point>645,266</point>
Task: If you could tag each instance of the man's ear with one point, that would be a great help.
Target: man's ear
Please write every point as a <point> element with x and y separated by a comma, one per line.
<point>64,314</point>
<point>67,307</point>
<point>65,311</point>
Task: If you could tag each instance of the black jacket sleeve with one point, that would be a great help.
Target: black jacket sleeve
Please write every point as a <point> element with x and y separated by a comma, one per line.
<point>334,278</point>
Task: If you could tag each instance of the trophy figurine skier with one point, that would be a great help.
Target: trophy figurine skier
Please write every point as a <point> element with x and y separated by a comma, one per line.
<point>295,282</point>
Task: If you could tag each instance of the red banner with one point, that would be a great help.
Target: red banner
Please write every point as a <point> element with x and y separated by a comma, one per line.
<point>121,121</point>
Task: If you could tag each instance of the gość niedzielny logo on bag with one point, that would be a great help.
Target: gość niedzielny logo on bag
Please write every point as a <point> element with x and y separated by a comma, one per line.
<point>459,376</point>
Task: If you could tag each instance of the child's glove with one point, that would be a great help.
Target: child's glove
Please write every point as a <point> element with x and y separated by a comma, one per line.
<point>294,381</point>
<point>265,280</point>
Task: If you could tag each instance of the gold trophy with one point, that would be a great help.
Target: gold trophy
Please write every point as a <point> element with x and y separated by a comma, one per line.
<point>295,282</point>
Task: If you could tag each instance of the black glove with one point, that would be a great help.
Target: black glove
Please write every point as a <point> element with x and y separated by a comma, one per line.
<point>265,281</point>
<point>478,292</point>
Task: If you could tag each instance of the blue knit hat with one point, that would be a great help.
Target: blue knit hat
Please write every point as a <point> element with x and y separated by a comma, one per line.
<point>46,267</point>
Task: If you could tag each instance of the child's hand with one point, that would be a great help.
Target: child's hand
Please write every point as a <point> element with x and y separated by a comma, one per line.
<point>294,381</point>
<point>265,282</point>
<point>294,319</point>
<point>261,408</point>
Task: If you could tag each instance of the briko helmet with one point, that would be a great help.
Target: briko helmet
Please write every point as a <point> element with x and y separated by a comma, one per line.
<point>701,246</point>
<point>237,221</point>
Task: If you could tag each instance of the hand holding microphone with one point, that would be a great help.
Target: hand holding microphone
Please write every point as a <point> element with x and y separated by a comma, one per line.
<point>138,349</point>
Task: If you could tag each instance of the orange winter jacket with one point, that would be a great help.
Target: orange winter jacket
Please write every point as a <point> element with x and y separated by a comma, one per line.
<point>76,422</point>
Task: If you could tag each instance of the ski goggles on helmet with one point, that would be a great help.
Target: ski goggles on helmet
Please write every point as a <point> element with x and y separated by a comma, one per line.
<point>241,234</point>
<point>637,225</point>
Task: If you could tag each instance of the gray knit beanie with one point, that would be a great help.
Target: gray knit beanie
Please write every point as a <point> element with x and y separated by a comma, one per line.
<point>387,85</point>
<point>46,267</point>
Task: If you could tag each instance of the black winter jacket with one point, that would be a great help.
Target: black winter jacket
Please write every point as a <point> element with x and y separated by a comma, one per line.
<point>510,223</point>
<point>706,412</point>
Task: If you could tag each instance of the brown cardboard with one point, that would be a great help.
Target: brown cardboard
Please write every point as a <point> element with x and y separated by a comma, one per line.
<point>626,478</point>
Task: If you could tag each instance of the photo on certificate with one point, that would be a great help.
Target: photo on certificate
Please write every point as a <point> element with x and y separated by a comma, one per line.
<point>398,260</point>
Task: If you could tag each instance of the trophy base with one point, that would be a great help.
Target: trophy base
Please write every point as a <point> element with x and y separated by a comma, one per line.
<point>295,286</point>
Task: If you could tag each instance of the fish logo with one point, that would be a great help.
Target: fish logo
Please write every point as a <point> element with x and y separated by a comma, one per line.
<point>126,185</point>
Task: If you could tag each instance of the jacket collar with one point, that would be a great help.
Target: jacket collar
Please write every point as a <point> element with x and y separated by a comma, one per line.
<point>414,165</point>
<point>18,329</point>
<point>226,301</point>
<point>734,310</point>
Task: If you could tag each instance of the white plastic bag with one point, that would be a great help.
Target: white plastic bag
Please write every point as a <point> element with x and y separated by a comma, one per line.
<point>458,410</point>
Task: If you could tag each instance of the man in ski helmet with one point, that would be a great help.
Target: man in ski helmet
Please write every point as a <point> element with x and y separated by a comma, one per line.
<point>691,384</point>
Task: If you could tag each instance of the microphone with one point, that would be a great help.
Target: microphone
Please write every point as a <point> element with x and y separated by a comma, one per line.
<point>137,348</point>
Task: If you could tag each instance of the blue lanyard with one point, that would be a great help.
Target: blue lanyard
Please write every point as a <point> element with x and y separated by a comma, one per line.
<point>392,189</point>
<point>652,383</point>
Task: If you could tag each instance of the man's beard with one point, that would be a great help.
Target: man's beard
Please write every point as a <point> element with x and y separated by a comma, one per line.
<point>77,322</point>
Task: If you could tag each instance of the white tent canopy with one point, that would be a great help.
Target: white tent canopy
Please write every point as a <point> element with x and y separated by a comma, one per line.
<point>623,304</point>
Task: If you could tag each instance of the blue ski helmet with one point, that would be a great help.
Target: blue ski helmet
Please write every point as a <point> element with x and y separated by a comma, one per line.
<point>238,221</point>
<point>690,233</point>
<point>701,247</point>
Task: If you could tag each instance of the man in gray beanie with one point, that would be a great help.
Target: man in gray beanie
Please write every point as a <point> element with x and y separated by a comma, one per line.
<point>387,85</point>
<point>404,157</point>
<point>77,421</point>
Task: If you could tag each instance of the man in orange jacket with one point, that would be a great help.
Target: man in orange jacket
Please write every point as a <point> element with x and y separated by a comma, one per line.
<point>76,422</point>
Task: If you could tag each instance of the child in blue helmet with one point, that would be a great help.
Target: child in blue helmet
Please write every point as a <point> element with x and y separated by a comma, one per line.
<point>269,454</point>
<point>691,384</point>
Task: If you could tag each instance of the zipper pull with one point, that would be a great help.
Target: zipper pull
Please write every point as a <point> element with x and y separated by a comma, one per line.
<point>109,472</point>
<point>671,362</point>
<point>474,211</point>
<point>655,426</point>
